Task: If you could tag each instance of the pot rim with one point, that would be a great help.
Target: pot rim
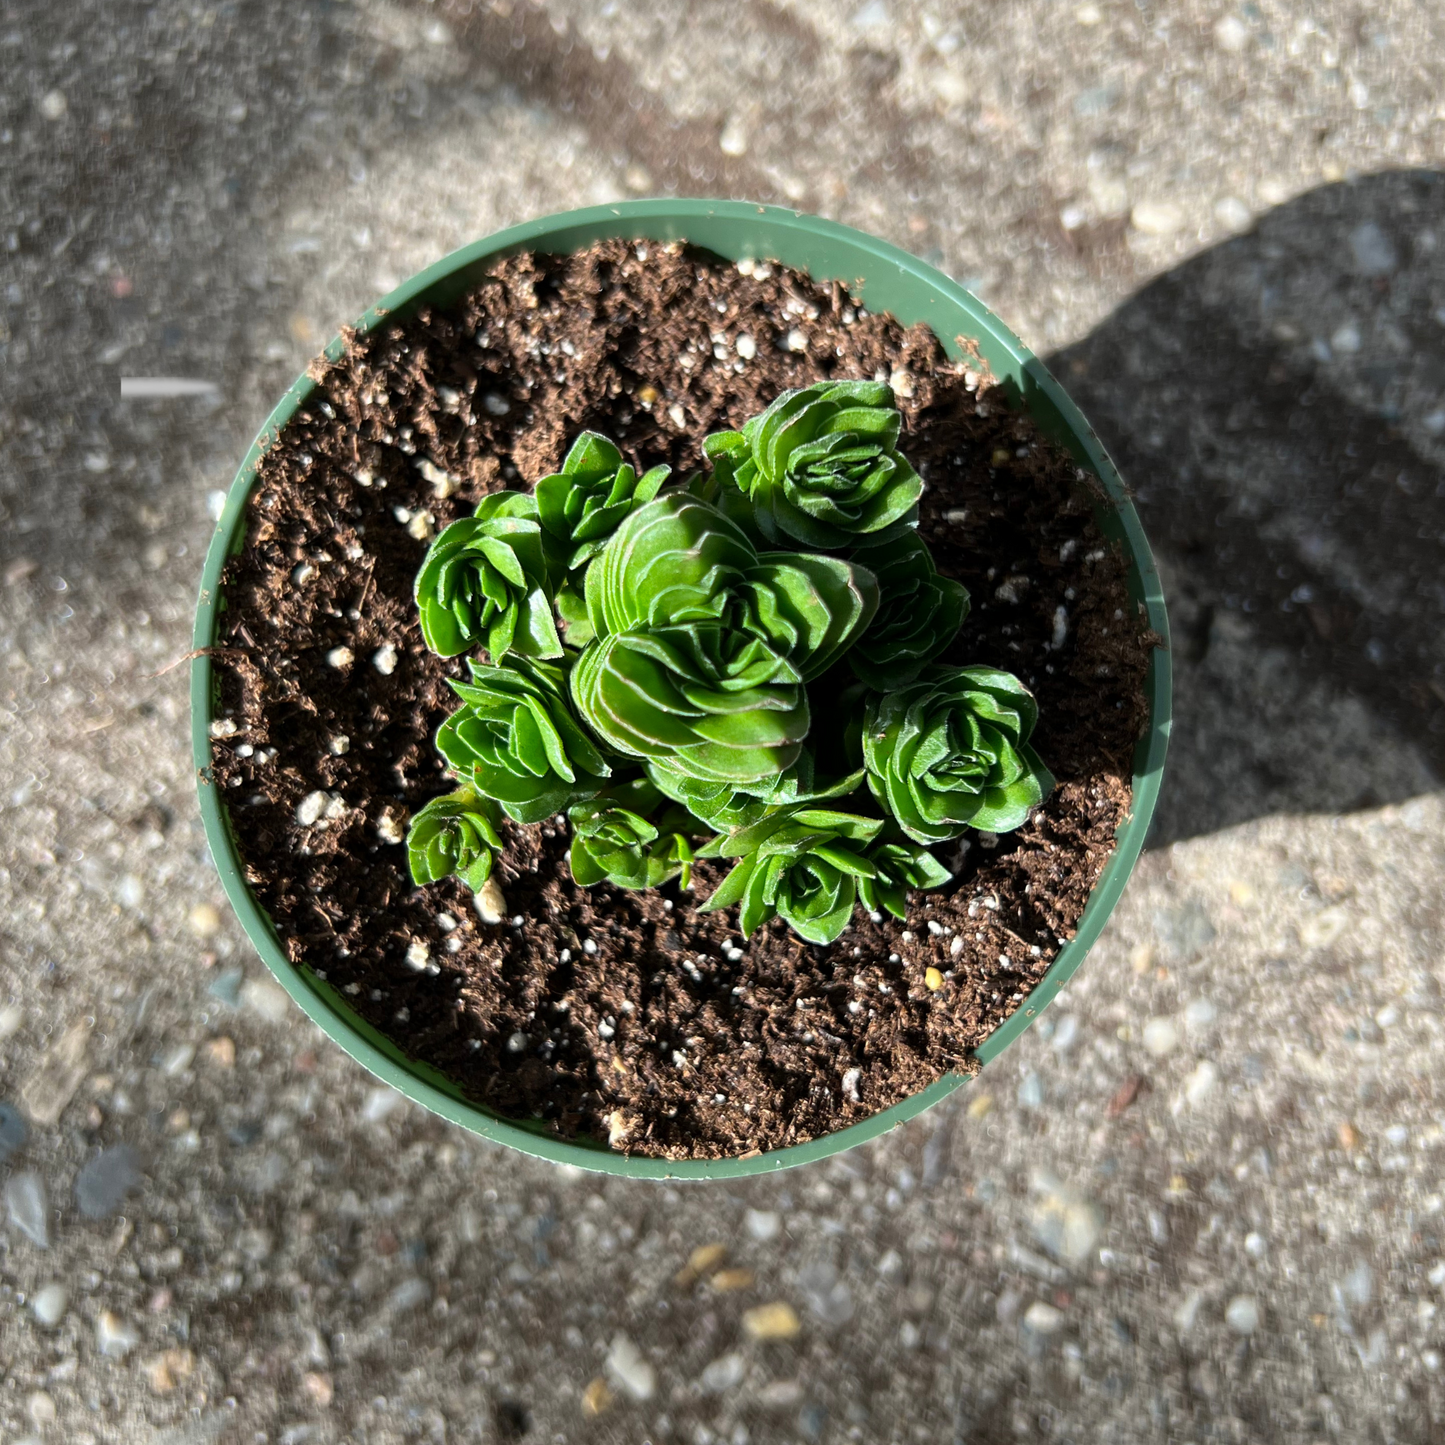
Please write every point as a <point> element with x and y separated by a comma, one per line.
<point>892,281</point>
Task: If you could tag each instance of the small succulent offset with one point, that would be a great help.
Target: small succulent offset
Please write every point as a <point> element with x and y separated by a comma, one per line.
<point>821,465</point>
<point>456,833</point>
<point>746,667</point>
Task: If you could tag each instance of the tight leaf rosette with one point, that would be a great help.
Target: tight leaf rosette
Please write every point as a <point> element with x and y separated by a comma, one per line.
<point>613,841</point>
<point>486,581</point>
<point>952,752</point>
<point>584,503</point>
<point>803,865</point>
<point>703,646</point>
<point>821,465</point>
<point>898,865</point>
<point>581,506</point>
<point>454,834</point>
<point>919,613</point>
<point>515,739</point>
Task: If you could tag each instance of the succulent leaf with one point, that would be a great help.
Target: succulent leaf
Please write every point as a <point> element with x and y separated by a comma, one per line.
<point>702,646</point>
<point>803,864</point>
<point>517,741</point>
<point>617,843</point>
<point>821,465</point>
<point>583,504</point>
<point>898,865</point>
<point>919,613</point>
<point>724,807</point>
<point>951,751</point>
<point>485,581</point>
<point>454,834</point>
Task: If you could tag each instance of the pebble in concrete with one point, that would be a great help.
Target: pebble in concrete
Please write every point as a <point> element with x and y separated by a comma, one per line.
<point>762,1225</point>
<point>102,1185</point>
<point>26,1205</point>
<point>113,1336</point>
<point>1043,1319</point>
<point>49,1304</point>
<point>1161,1037</point>
<point>826,1293</point>
<point>1242,1314</point>
<point>14,1131</point>
<point>629,1370</point>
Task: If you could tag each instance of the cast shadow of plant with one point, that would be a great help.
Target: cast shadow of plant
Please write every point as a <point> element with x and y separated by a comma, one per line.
<point>1277,404</point>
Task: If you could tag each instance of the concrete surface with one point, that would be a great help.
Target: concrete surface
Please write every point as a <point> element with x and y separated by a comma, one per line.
<point>1203,1199</point>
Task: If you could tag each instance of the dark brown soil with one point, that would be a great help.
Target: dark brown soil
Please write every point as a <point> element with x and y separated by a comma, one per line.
<point>602,1011</point>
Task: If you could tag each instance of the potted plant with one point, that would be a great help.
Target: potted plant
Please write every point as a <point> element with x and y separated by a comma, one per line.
<point>730,706</point>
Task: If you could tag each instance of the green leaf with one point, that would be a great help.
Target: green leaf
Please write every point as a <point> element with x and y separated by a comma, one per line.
<point>454,834</point>
<point>918,616</point>
<point>951,752</point>
<point>821,465</point>
<point>517,741</point>
<point>486,580</point>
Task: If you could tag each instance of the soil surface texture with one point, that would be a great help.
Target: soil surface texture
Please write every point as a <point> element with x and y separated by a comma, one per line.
<point>599,1011</point>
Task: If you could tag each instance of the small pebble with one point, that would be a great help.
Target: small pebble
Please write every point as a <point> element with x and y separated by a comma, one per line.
<point>902,383</point>
<point>629,1370</point>
<point>221,1052</point>
<point>596,1398</point>
<point>380,1104</point>
<point>1199,1014</point>
<point>496,405</point>
<point>49,1304</point>
<point>746,347</point>
<point>1200,1084</point>
<point>795,341</point>
<point>1031,1091</point>
<point>933,979</point>
<point>102,1185</point>
<point>775,1321</point>
<point>311,807</point>
<point>318,1387</point>
<point>1242,1314</point>
<point>340,657</point>
<point>1160,1037</point>
<point>384,659</point>
<point>763,1225</point>
<point>268,999</point>
<point>1254,1245</point>
<point>53,105</point>
<point>390,827</point>
<point>14,1131</point>
<point>205,919</point>
<point>408,1295</point>
<point>340,745</point>
<point>114,1337</point>
<point>490,903</point>
<point>224,727</point>
<point>723,1374</point>
<point>417,955</point>
<point>676,415</point>
<point>851,1078</point>
<point>1043,1319</point>
<point>27,1207</point>
<point>41,1409</point>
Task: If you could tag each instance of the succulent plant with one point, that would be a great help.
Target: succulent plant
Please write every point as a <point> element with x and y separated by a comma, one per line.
<point>486,581</point>
<point>821,465</point>
<point>724,807</point>
<point>919,613</point>
<point>898,865</point>
<point>584,503</point>
<point>952,751</point>
<point>802,864</point>
<point>612,840</point>
<point>581,506</point>
<point>516,740</point>
<point>703,646</point>
<point>699,664</point>
<point>454,834</point>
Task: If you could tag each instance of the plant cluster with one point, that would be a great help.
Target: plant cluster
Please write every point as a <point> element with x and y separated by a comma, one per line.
<point>741,667</point>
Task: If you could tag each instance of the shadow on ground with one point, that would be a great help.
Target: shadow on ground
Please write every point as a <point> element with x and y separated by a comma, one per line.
<point>1276,402</point>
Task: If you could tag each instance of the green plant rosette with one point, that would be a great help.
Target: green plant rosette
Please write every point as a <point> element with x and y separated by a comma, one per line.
<point>886,279</point>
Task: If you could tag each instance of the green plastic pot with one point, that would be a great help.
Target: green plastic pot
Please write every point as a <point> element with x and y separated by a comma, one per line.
<point>886,279</point>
